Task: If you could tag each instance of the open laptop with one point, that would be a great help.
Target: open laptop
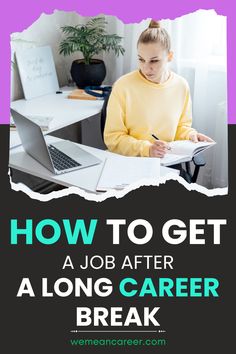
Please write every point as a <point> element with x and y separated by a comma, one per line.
<point>60,157</point>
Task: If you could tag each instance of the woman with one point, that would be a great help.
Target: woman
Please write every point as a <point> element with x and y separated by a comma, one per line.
<point>150,101</point>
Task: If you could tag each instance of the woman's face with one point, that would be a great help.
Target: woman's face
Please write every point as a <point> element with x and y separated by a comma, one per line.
<point>153,61</point>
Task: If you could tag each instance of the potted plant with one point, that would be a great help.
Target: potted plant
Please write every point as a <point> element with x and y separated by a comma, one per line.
<point>90,39</point>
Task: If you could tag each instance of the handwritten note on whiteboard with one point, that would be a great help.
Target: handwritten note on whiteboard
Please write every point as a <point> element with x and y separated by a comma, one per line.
<point>37,71</point>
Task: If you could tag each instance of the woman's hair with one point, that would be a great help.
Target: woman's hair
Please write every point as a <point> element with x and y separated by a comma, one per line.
<point>155,34</point>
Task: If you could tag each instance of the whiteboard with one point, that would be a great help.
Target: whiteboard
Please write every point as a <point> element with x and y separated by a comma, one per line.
<point>37,71</point>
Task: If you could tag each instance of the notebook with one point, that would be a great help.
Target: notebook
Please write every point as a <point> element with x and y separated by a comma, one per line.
<point>80,94</point>
<point>120,171</point>
<point>184,150</point>
<point>42,121</point>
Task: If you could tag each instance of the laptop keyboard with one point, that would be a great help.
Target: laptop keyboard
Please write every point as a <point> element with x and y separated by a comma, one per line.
<point>60,160</point>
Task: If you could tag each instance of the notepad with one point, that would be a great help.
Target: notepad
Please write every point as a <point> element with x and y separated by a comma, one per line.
<point>184,150</point>
<point>80,94</point>
<point>120,171</point>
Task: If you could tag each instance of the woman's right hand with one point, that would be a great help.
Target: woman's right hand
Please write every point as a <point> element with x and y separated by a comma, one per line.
<point>158,149</point>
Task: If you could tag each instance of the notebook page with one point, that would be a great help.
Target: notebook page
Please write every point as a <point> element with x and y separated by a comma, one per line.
<point>120,171</point>
<point>187,147</point>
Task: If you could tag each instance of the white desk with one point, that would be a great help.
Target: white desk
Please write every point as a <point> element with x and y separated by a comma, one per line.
<point>63,110</point>
<point>86,178</point>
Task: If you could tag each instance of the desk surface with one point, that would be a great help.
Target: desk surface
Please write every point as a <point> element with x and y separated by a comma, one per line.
<point>63,110</point>
<point>86,178</point>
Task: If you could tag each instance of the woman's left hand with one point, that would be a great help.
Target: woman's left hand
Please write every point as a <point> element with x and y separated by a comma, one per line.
<point>195,137</point>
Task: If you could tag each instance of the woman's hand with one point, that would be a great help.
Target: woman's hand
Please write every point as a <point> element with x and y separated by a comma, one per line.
<point>195,137</point>
<point>158,149</point>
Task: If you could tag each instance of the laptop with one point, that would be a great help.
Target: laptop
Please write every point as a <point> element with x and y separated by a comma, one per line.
<point>60,157</point>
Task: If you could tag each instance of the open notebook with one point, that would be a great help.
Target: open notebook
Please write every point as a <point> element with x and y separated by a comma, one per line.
<point>184,150</point>
<point>120,171</point>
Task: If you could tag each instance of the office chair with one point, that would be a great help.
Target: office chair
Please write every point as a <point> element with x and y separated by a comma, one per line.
<point>185,168</point>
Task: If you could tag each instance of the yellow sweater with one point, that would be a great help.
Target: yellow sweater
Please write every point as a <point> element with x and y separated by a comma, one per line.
<point>138,108</point>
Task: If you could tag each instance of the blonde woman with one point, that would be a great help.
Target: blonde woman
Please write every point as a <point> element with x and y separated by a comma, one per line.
<point>150,101</point>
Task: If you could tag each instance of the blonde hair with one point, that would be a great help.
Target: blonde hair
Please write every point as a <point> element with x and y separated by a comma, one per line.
<point>155,34</point>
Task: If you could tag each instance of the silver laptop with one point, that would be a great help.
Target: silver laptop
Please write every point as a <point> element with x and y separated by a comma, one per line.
<point>59,157</point>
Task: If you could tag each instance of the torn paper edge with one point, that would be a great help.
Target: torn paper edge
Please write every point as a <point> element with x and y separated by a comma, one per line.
<point>92,196</point>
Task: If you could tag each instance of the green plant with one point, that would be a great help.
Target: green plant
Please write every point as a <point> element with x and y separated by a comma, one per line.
<point>90,39</point>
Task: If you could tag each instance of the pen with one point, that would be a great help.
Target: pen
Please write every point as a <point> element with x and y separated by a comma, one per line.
<point>155,137</point>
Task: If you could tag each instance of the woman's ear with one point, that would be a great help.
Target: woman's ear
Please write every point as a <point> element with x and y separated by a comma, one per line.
<point>170,56</point>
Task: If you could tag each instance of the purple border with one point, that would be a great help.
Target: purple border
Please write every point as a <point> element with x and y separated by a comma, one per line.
<point>17,15</point>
